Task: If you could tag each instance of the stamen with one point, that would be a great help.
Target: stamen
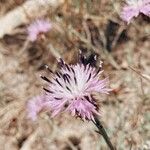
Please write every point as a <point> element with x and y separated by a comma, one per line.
<point>65,77</point>
<point>88,67</point>
<point>58,98</point>
<point>87,98</point>
<point>89,77</point>
<point>67,67</point>
<point>68,76</point>
<point>92,102</point>
<point>73,70</point>
<point>58,74</point>
<point>47,90</point>
<point>58,82</point>
<point>75,79</point>
<point>68,89</point>
<point>99,69</point>
<point>45,78</point>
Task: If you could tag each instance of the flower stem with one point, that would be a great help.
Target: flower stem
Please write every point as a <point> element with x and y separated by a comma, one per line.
<point>102,131</point>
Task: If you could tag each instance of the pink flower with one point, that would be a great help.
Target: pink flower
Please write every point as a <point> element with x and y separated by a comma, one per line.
<point>34,106</point>
<point>71,88</point>
<point>83,108</point>
<point>38,27</point>
<point>134,8</point>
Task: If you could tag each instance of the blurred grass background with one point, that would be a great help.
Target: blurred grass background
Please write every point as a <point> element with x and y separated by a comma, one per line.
<point>94,27</point>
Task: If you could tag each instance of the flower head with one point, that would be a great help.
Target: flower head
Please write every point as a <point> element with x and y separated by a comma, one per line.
<point>71,88</point>
<point>35,105</point>
<point>134,8</point>
<point>38,27</point>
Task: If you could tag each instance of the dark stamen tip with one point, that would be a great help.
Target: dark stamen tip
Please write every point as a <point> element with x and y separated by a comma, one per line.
<point>45,79</point>
<point>58,82</point>
<point>61,60</point>
<point>66,77</point>
<point>58,74</point>
<point>47,90</point>
<point>68,88</point>
<point>72,70</point>
<point>89,77</point>
<point>67,67</point>
<point>87,98</point>
<point>57,98</point>
<point>75,80</point>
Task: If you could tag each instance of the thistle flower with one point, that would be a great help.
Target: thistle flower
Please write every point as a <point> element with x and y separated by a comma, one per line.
<point>34,106</point>
<point>134,8</point>
<point>38,27</point>
<point>70,89</point>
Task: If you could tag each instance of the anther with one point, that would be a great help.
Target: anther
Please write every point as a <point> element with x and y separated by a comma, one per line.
<point>47,90</point>
<point>58,82</point>
<point>45,78</point>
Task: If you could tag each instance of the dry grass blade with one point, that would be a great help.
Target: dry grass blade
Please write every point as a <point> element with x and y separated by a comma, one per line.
<point>144,76</point>
<point>20,15</point>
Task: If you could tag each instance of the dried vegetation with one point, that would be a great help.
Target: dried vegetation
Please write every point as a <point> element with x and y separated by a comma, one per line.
<point>95,28</point>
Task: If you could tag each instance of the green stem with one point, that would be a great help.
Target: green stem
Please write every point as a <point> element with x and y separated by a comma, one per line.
<point>102,131</point>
